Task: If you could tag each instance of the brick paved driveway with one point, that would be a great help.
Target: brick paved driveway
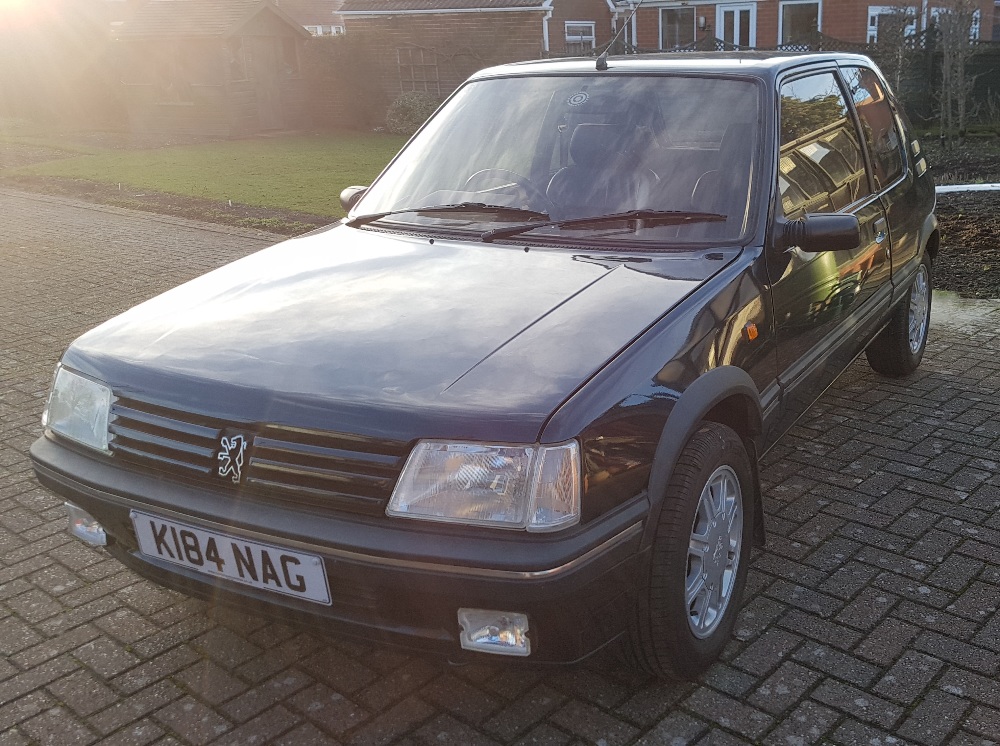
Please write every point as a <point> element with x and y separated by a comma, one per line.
<point>872,616</point>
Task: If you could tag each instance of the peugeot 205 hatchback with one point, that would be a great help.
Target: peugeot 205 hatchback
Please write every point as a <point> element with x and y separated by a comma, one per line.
<point>514,403</point>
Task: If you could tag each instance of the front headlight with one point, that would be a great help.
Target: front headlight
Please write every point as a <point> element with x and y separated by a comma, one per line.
<point>78,409</point>
<point>508,486</point>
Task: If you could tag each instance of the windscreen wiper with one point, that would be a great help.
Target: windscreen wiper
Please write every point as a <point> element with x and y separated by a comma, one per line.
<point>650,217</point>
<point>359,220</point>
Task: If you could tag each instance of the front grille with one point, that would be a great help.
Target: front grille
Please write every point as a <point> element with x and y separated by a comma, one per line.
<point>309,468</point>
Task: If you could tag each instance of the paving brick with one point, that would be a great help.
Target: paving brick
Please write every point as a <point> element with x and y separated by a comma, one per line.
<point>450,732</point>
<point>850,732</point>
<point>82,693</point>
<point>58,726</point>
<point>210,682</point>
<point>677,729</point>
<point>887,641</point>
<point>783,688</point>
<point>527,710</point>
<point>326,708</point>
<point>807,724</point>
<point>840,665</point>
<point>392,723</point>
<point>767,652</point>
<point>858,703</point>
<point>935,718</point>
<point>824,630</point>
<point>729,713</point>
<point>128,710</point>
<point>592,724</point>
<point>955,651</point>
<point>908,678</point>
<point>138,734</point>
<point>192,721</point>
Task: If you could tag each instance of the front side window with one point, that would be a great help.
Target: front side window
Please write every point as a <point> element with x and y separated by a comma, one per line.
<point>580,37</point>
<point>799,21</point>
<point>878,124</point>
<point>821,166</point>
<point>677,27</point>
<point>582,146</point>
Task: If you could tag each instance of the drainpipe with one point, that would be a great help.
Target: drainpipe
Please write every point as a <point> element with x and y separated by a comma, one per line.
<point>545,31</point>
<point>635,24</point>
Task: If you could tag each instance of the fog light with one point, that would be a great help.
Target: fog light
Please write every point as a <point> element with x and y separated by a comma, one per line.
<point>85,527</point>
<point>499,632</point>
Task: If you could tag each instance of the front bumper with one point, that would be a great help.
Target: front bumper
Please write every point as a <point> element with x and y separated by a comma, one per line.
<point>395,581</point>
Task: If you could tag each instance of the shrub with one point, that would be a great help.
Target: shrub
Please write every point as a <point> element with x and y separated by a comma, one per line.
<point>409,111</point>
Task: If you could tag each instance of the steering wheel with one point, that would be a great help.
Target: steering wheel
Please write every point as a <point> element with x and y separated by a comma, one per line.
<point>524,182</point>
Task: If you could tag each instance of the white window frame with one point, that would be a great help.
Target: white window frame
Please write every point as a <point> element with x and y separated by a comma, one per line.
<point>720,11</point>
<point>781,15</point>
<point>934,12</point>
<point>315,30</point>
<point>581,38</point>
<point>874,11</point>
<point>337,30</point>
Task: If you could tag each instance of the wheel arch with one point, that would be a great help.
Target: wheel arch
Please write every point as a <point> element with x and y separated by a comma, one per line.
<point>725,395</point>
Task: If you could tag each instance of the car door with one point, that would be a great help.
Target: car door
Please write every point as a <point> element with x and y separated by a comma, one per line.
<point>826,304</point>
<point>886,142</point>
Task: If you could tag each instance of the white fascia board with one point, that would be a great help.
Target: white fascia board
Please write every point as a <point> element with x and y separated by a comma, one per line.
<point>439,11</point>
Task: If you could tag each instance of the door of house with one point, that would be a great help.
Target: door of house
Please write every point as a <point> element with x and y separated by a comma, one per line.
<point>736,23</point>
<point>266,73</point>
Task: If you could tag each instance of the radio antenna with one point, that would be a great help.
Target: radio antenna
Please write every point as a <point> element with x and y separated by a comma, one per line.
<point>602,60</point>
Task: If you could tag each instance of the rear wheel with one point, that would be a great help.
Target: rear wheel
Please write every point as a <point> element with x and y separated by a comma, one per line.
<point>690,600</point>
<point>899,348</point>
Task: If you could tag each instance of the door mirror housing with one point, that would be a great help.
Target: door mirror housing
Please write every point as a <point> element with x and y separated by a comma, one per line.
<point>350,196</point>
<point>817,232</point>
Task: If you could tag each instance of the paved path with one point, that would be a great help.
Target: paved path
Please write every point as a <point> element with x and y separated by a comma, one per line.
<point>872,615</point>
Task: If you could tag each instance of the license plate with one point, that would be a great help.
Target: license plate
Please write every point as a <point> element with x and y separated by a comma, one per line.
<point>266,566</point>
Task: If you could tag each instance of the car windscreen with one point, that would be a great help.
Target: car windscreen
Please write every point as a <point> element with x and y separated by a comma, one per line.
<point>677,151</point>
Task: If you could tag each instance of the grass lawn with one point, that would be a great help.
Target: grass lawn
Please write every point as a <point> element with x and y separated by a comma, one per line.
<point>301,172</point>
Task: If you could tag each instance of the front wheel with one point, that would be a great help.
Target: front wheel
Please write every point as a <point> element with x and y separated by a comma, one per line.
<point>689,602</point>
<point>899,348</point>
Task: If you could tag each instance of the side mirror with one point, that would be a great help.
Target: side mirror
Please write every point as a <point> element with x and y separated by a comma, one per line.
<point>350,196</point>
<point>821,232</point>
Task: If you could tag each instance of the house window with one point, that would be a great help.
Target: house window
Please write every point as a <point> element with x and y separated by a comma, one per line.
<point>580,37</point>
<point>337,30</point>
<point>677,27</point>
<point>798,20</point>
<point>973,29</point>
<point>891,17</point>
<point>315,30</point>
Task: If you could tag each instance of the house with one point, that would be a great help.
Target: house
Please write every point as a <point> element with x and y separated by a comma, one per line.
<point>219,67</point>
<point>766,24</point>
<point>319,17</point>
<point>433,45</point>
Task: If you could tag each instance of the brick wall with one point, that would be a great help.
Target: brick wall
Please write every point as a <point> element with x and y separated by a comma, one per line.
<point>446,47</point>
<point>578,10</point>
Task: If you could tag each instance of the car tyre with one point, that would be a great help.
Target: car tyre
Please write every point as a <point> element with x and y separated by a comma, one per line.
<point>689,601</point>
<point>899,348</point>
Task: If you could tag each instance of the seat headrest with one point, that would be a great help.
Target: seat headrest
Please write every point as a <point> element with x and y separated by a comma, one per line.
<point>595,145</point>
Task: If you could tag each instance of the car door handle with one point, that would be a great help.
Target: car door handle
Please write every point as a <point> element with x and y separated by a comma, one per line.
<point>880,230</point>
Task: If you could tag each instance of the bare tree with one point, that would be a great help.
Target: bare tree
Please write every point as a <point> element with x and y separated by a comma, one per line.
<point>895,52</point>
<point>955,22</point>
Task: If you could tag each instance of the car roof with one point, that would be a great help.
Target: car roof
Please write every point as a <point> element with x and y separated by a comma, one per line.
<point>756,64</point>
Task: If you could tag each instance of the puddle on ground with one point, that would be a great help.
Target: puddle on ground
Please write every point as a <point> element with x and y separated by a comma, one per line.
<point>971,314</point>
